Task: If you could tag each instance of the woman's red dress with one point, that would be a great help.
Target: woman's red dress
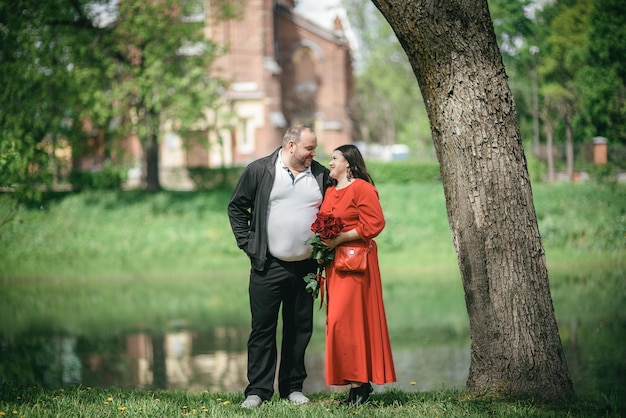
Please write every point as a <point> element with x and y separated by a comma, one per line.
<point>357,338</point>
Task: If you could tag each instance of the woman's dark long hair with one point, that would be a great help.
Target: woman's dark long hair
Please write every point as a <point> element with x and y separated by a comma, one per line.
<point>356,162</point>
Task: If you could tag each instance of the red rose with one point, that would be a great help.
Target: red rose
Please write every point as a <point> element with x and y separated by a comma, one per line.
<point>321,221</point>
<point>327,226</point>
<point>336,227</point>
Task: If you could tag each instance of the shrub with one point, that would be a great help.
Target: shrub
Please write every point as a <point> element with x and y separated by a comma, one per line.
<point>404,172</point>
<point>107,178</point>
<point>207,178</point>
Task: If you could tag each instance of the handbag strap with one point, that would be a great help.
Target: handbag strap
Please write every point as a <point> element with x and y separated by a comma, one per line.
<point>367,246</point>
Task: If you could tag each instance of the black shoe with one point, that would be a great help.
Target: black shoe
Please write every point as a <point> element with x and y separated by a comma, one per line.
<point>362,394</point>
<point>351,396</point>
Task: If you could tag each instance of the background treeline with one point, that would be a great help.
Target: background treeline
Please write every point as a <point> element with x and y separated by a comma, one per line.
<point>402,172</point>
<point>566,62</point>
<point>63,62</point>
<point>208,178</point>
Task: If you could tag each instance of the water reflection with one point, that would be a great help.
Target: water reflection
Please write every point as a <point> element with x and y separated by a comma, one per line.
<point>216,361</point>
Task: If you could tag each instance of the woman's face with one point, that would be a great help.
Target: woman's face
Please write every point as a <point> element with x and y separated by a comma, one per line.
<point>338,166</point>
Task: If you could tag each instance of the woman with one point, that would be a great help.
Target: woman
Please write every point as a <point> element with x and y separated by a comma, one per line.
<point>357,340</point>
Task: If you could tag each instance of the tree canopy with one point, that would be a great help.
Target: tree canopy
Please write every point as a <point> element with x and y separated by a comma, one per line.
<point>39,99</point>
<point>388,106</point>
<point>125,67</point>
<point>571,51</point>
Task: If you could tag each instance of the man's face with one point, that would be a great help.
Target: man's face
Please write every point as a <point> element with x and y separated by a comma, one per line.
<point>302,153</point>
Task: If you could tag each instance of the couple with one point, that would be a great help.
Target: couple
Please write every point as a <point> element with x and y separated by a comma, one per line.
<point>271,211</point>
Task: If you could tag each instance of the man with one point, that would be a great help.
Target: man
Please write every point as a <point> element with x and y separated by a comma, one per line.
<point>271,211</point>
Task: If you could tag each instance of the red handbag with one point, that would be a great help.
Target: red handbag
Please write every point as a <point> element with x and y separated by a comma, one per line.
<point>351,259</point>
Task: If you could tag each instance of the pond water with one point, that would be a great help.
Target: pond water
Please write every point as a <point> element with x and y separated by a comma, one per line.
<point>216,361</point>
<point>213,361</point>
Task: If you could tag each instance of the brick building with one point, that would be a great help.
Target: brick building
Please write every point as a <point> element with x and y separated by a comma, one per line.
<point>282,70</point>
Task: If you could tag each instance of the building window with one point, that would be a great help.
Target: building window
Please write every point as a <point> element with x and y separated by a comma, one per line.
<point>245,142</point>
<point>192,10</point>
<point>306,82</point>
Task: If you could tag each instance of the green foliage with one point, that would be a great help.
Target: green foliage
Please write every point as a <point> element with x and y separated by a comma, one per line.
<point>119,257</point>
<point>536,169</point>
<point>579,47</point>
<point>37,94</point>
<point>565,42</point>
<point>589,217</point>
<point>158,64</point>
<point>512,25</point>
<point>603,174</point>
<point>404,171</point>
<point>62,64</point>
<point>603,79</point>
<point>206,178</point>
<point>388,104</point>
<point>107,178</point>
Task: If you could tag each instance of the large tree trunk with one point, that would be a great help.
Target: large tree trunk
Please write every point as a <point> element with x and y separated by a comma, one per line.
<point>515,344</point>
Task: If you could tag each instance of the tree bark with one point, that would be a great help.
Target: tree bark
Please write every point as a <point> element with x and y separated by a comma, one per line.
<point>152,122</point>
<point>548,129</point>
<point>569,146</point>
<point>153,184</point>
<point>159,362</point>
<point>515,344</point>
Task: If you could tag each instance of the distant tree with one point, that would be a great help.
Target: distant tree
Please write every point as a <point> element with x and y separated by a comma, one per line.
<point>602,81</point>
<point>39,94</point>
<point>555,106</point>
<point>513,26</point>
<point>566,24</point>
<point>158,61</point>
<point>515,344</point>
<point>129,67</point>
<point>387,104</point>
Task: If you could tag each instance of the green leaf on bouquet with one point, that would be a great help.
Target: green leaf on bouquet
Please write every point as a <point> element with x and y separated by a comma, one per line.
<point>312,285</point>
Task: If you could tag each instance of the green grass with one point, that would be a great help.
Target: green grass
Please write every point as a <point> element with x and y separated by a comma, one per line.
<point>92,402</point>
<point>131,259</point>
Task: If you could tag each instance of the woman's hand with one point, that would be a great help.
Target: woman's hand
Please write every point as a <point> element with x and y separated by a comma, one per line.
<point>341,238</point>
<point>331,244</point>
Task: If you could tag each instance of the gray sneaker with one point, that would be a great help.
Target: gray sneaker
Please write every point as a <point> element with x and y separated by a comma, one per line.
<point>252,401</point>
<point>297,398</point>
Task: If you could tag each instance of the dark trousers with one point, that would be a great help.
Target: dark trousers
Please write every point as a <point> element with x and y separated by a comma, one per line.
<point>280,283</point>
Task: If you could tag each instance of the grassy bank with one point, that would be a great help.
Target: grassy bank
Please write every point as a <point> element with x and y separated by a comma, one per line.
<point>131,259</point>
<point>88,402</point>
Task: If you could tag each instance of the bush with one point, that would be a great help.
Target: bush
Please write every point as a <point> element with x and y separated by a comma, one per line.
<point>537,170</point>
<point>107,178</point>
<point>404,172</point>
<point>398,172</point>
<point>207,178</point>
<point>603,173</point>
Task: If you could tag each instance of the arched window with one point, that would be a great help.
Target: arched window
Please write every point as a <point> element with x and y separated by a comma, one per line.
<point>306,80</point>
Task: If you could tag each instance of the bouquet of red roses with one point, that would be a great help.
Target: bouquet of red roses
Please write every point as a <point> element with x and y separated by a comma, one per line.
<point>325,227</point>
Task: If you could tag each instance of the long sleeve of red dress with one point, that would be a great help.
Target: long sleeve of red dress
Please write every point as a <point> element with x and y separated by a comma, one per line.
<point>357,338</point>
